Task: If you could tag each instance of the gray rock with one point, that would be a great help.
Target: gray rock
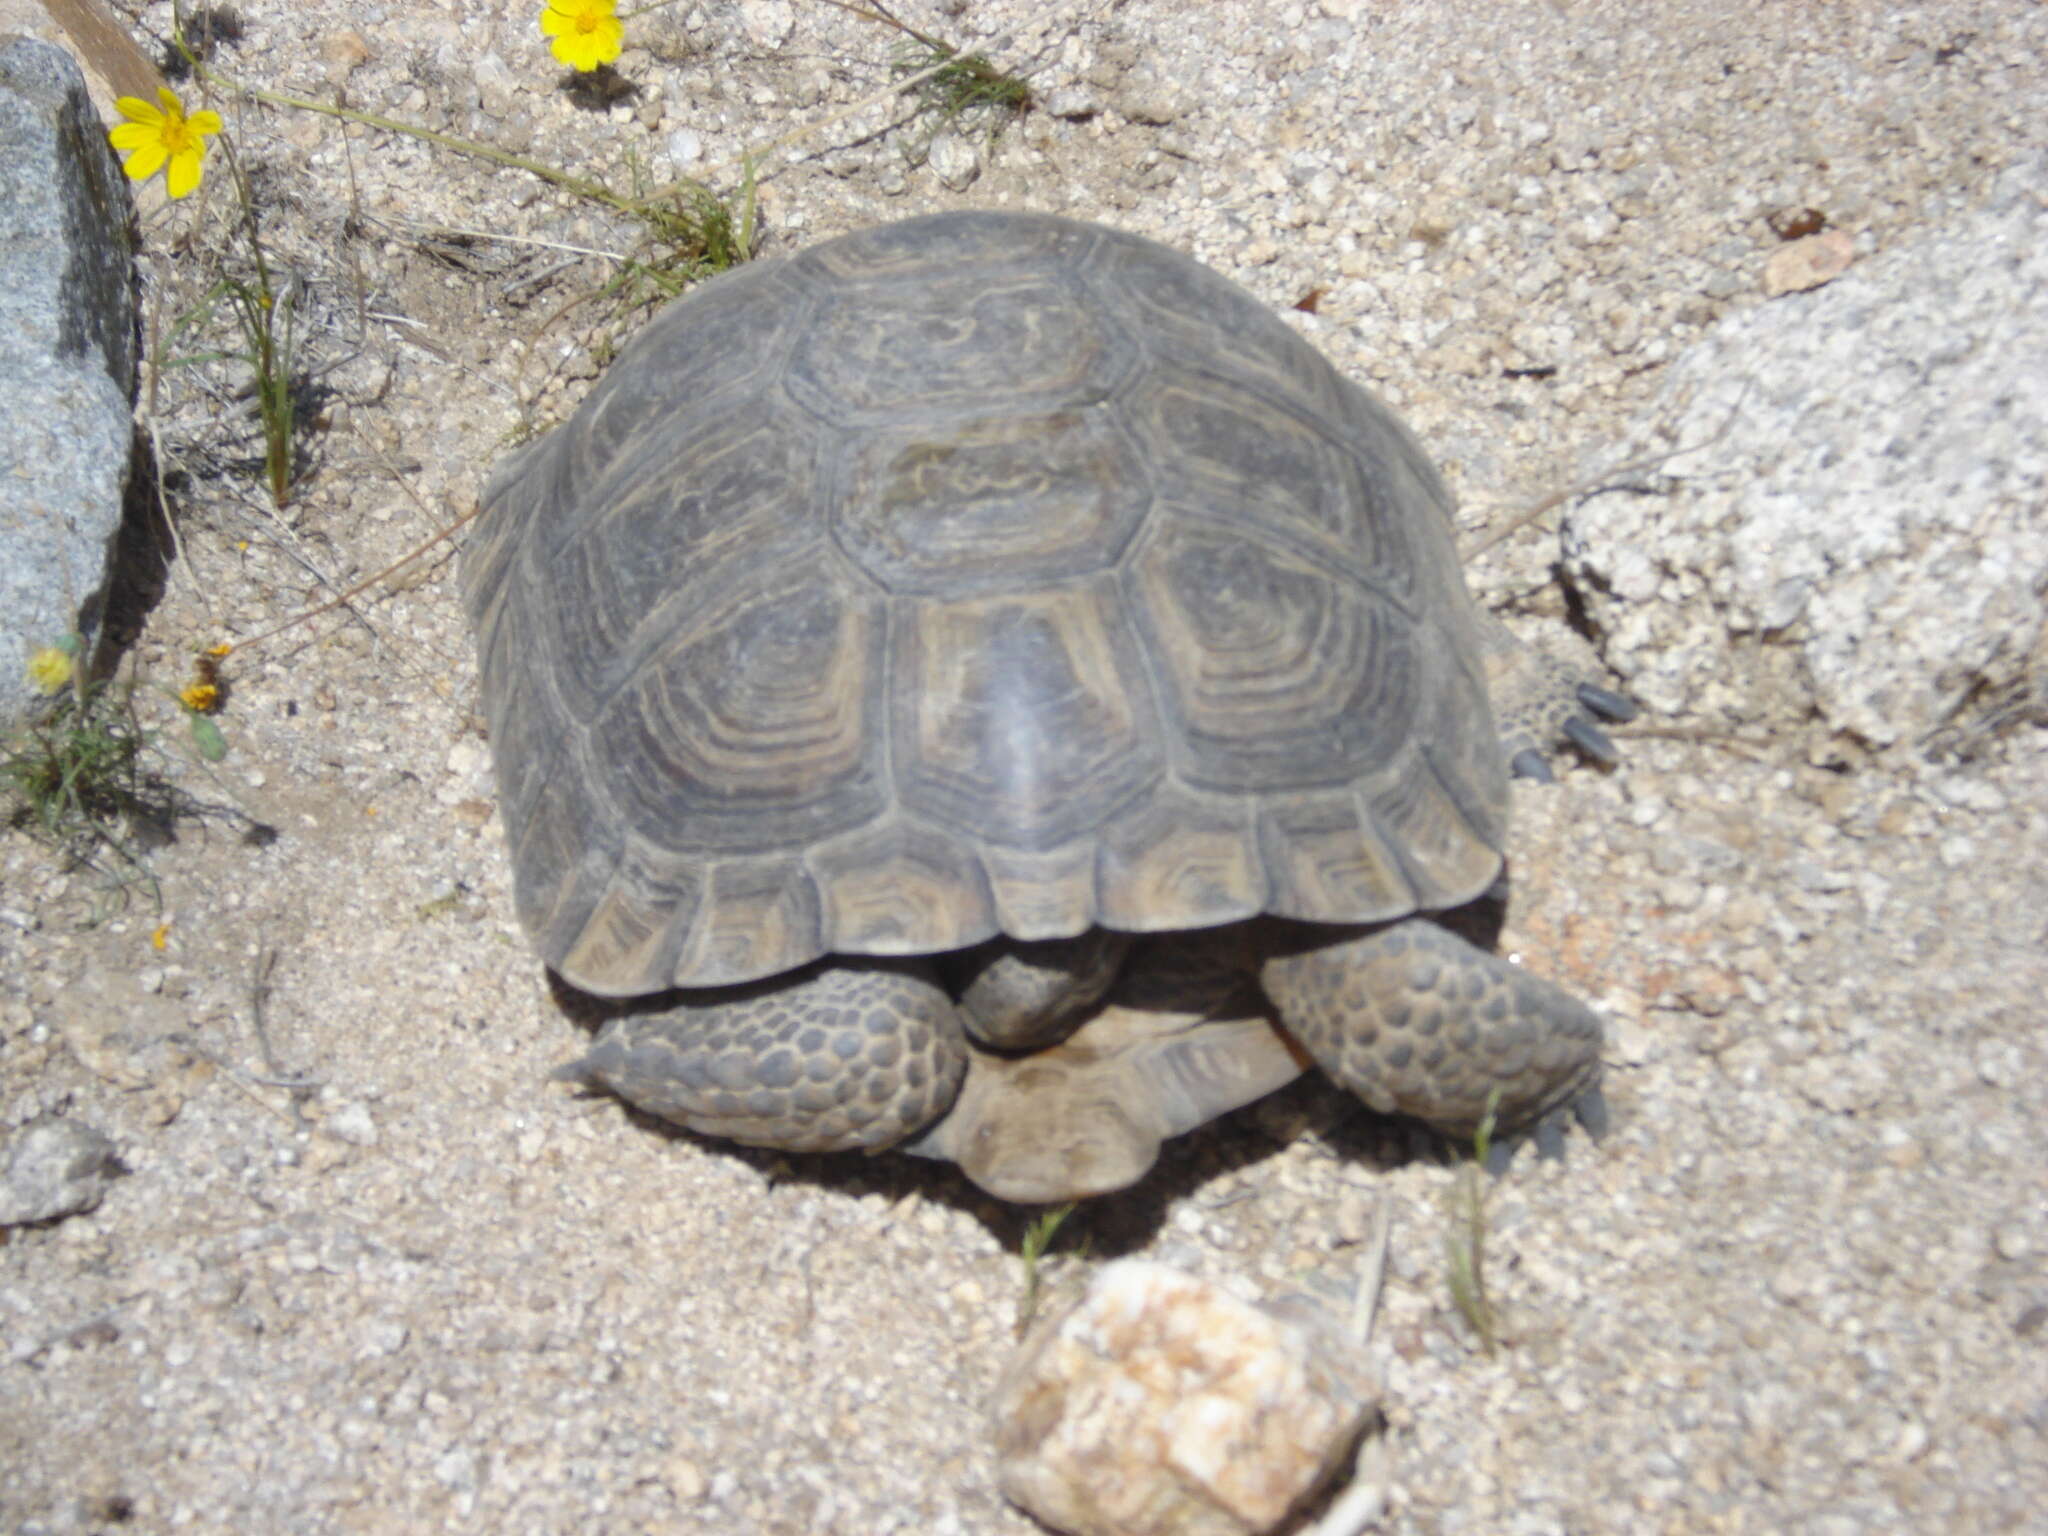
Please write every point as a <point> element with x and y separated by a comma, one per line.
<point>1860,491</point>
<point>67,357</point>
<point>56,1168</point>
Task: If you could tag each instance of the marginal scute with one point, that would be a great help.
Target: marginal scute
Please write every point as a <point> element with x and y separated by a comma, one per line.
<point>894,888</point>
<point>1449,845</point>
<point>1327,858</point>
<point>1179,859</point>
<point>760,917</point>
<point>1049,895</point>
<point>563,857</point>
<point>629,943</point>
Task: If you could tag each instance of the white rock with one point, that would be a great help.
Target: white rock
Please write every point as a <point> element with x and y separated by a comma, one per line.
<point>768,22</point>
<point>1861,478</point>
<point>353,1124</point>
<point>1159,1405</point>
<point>954,159</point>
<point>56,1167</point>
<point>685,146</point>
<point>1073,101</point>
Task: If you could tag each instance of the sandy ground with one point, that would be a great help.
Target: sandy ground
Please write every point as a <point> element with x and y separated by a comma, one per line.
<point>1800,1287</point>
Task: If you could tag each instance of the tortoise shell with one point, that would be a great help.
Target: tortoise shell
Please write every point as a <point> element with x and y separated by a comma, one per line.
<point>979,573</point>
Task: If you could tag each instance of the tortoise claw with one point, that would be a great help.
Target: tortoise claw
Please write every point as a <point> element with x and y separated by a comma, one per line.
<point>1531,764</point>
<point>1500,1152</point>
<point>1606,703</point>
<point>1549,1131</point>
<point>1591,740</point>
<point>1590,1110</point>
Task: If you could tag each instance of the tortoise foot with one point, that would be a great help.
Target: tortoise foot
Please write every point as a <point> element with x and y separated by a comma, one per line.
<point>1416,1021</point>
<point>853,1055</point>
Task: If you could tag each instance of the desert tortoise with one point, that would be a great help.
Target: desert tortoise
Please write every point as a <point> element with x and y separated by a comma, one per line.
<point>899,629</point>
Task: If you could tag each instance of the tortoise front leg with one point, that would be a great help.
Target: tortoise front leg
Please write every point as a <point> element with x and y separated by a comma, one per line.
<point>844,1055</point>
<point>1416,1021</point>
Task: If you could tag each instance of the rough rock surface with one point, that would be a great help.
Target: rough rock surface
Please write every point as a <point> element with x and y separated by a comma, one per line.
<point>1859,477</point>
<point>55,1168</point>
<point>372,1272</point>
<point>1161,1405</point>
<point>67,356</point>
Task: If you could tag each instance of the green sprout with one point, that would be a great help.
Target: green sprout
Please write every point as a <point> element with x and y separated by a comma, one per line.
<point>1465,1241</point>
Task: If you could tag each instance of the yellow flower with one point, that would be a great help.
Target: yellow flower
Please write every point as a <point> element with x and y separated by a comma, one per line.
<point>200,698</point>
<point>162,937</point>
<point>155,136</point>
<point>49,669</point>
<point>586,33</point>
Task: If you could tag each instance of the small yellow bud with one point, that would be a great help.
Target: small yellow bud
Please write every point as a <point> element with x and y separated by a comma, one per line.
<point>49,669</point>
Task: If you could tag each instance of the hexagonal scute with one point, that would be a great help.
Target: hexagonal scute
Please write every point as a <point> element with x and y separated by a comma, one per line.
<point>1284,676</point>
<point>1024,719</point>
<point>666,533</point>
<point>915,353</point>
<point>999,502</point>
<point>756,729</point>
<point>952,242</point>
<point>1231,453</point>
<point>1190,317</point>
<point>727,341</point>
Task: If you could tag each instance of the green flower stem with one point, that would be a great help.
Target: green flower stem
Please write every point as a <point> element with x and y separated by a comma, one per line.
<point>582,186</point>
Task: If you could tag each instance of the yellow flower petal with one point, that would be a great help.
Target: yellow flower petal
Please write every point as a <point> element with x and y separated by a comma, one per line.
<point>137,108</point>
<point>168,98</point>
<point>204,122</point>
<point>183,175</point>
<point>588,47</point>
<point>147,160</point>
<point>127,136</point>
